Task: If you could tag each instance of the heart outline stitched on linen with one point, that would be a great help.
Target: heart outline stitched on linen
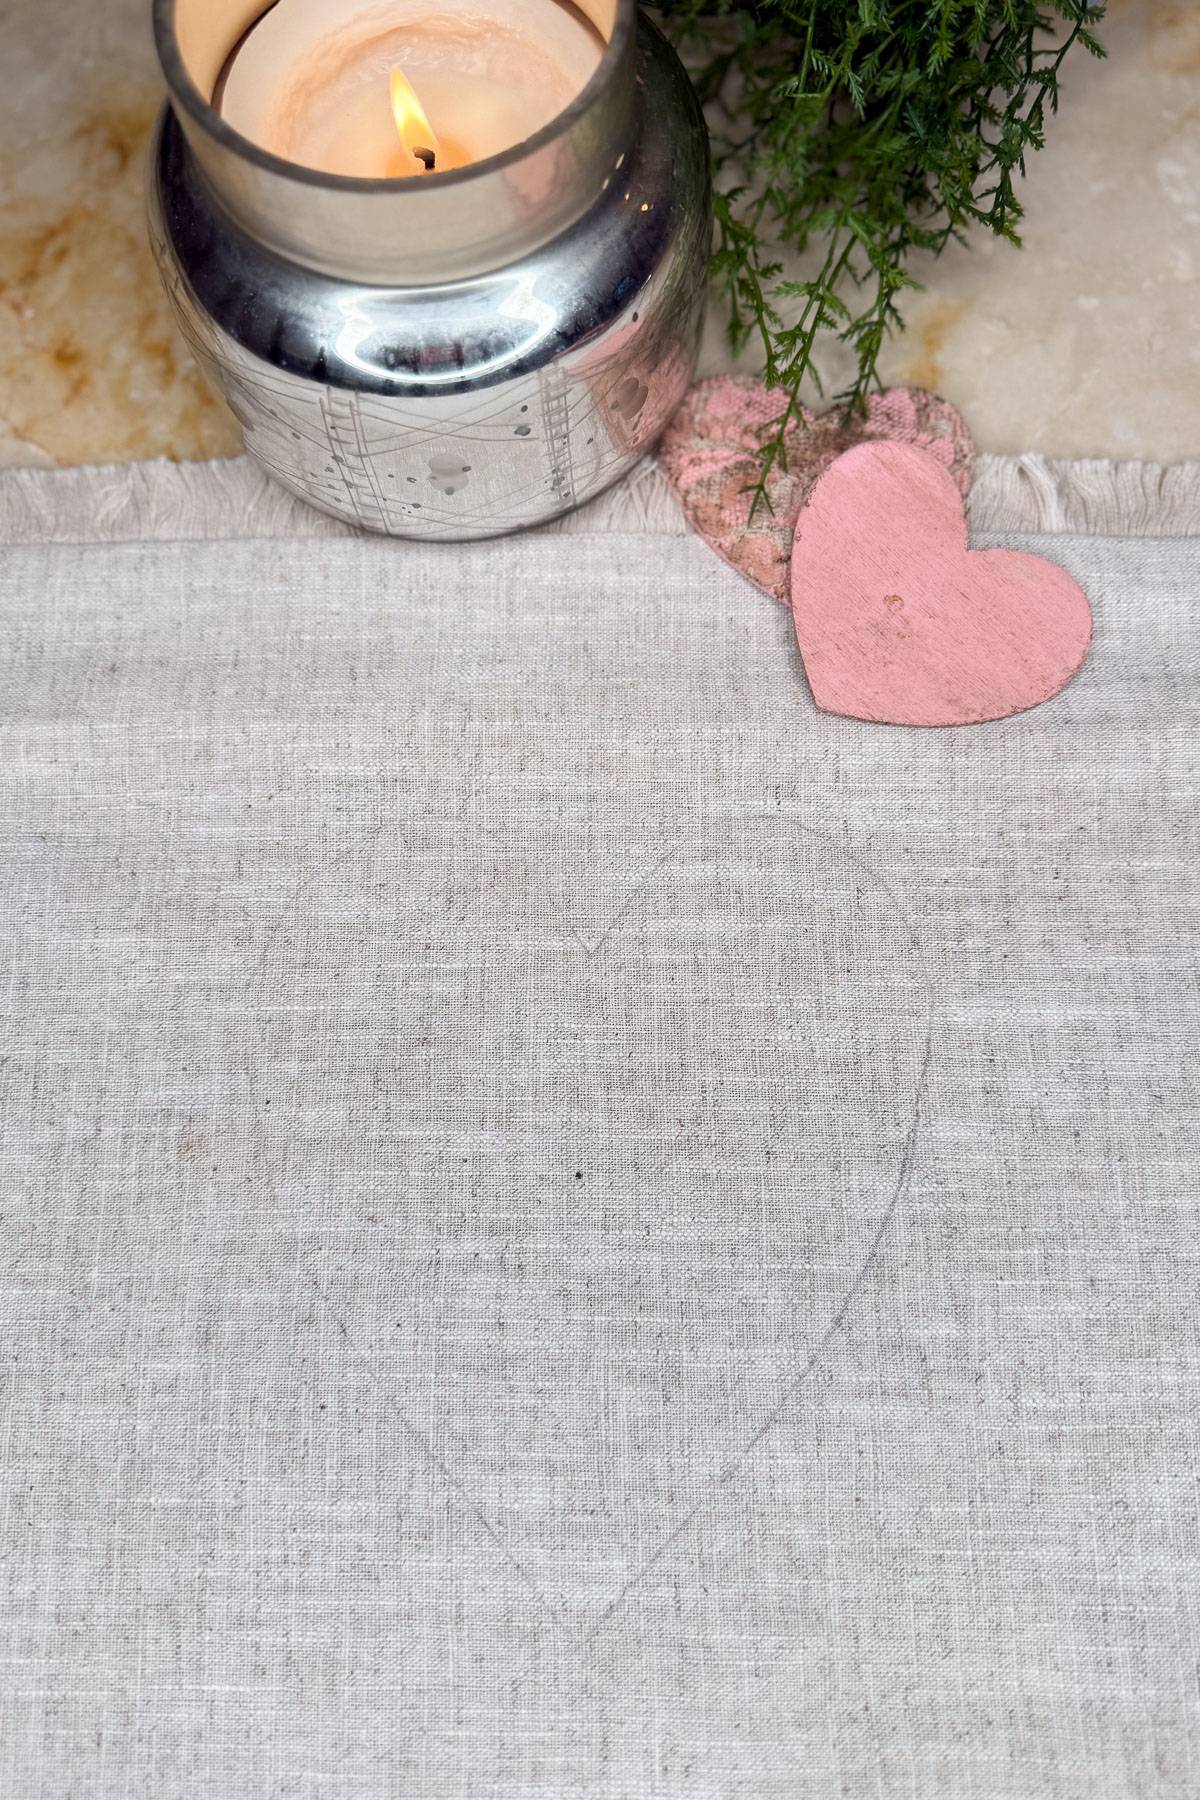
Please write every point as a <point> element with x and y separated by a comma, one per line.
<point>503,1130</point>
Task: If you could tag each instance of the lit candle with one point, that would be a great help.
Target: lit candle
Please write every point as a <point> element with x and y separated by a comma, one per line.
<point>404,88</point>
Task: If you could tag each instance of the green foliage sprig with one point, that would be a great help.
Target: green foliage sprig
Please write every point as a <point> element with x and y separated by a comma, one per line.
<point>871,128</point>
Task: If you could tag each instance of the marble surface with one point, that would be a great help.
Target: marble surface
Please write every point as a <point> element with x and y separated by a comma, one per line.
<point>1083,344</point>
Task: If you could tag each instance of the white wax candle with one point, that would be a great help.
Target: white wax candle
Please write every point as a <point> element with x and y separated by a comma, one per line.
<point>312,81</point>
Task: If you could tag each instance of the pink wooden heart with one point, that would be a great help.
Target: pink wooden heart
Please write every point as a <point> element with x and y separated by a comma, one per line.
<point>711,449</point>
<point>898,622</point>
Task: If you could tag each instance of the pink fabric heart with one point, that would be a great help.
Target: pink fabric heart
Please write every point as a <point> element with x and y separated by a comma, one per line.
<point>899,623</point>
<point>710,455</point>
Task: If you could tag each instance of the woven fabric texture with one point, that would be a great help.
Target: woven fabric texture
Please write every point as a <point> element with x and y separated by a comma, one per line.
<point>570,1226</point>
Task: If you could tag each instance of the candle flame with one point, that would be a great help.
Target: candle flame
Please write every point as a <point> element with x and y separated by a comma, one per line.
<point>416,133</point>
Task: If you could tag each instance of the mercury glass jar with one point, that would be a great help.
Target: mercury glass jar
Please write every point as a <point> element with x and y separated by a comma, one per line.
<point>457,355</point>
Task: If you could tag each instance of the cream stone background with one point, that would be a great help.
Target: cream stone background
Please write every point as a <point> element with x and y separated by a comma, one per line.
<point>1083,345</point>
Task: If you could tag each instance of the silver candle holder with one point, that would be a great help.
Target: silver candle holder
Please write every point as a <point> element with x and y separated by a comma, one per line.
<point>457,355</point>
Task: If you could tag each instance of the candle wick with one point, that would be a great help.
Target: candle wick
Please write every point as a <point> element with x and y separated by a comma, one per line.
<point>428,157</point>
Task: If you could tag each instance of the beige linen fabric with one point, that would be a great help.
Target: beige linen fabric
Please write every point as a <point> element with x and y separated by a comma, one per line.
<point>146,502</point>
<point>571,1227</point>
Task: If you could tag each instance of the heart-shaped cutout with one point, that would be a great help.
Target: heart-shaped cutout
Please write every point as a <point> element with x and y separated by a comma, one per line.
<point>710,454</point>
<point>900,623</point>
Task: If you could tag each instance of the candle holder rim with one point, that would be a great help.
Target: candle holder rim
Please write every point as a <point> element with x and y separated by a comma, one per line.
<point>184,90</point>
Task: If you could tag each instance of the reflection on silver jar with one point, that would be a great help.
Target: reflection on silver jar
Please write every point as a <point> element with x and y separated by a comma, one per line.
<point>457,355</point>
